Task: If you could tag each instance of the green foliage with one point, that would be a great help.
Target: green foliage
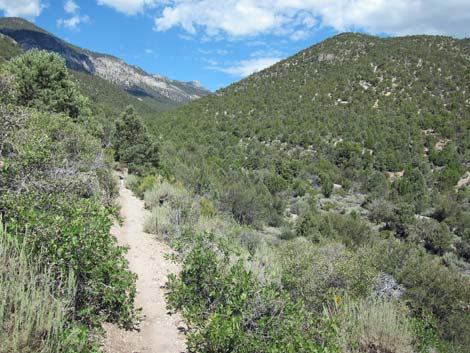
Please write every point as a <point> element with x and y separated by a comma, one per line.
<point>326,185</point>
<point>133,145</point>
<point>57,196</point>
<point>317,274</point>
<point>246,202</point>
<point>73,234</point>
<point>36,306</point>
<point>230,312</point>
<point>434,236</point>
<point>348,229</point>
<point>172,212</point>
<point>431,289</point>
<point>146,184</point>
<point>43,82</point>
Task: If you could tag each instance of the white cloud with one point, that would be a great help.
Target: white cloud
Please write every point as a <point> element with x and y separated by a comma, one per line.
<point>75,20</point>
<point>247,67</point>
<point>71,7</point>
<point>24,8</point>
<point>298,18</point>
<point>130,7</point>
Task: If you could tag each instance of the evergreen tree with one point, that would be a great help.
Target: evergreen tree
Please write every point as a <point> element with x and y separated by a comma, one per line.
<point>133,145</point>
<point>42,81</point>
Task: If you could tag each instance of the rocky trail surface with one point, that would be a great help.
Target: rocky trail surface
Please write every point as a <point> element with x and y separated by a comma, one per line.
<point>159,332</point>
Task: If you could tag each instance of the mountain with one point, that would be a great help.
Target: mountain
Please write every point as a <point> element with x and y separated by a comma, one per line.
<point>358,140</point>
<point>130,78</point>
<point>370,121</point>
<point>382,103</point>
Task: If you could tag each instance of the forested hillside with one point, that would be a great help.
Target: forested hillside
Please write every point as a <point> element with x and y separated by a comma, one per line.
<point>359,141</point>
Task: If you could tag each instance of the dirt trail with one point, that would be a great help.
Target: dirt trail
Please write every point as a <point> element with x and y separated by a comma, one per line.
<point>159,331</point>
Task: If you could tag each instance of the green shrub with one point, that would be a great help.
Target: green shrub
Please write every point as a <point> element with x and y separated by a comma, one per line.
<point>42,81</point>
<point>348,229</point>
<point>166,192</point>
<point>434,236</point>
<point>228,311</point>
<point>207,208</point>
<point>326,185</point>
<point>133,144</point>
<point>73,235</point>
<point>147,183</point>
<point>35,307</point>
<point>132,182</point>
<point>431,288</point>
<point>316,274</point>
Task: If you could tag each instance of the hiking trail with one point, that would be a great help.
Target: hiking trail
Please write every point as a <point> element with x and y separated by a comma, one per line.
<point>159,332</point>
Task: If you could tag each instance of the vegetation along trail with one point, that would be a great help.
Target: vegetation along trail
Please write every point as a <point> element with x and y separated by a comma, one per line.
<point>159,331</point>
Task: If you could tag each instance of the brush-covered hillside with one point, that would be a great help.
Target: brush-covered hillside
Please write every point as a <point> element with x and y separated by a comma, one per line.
<point>385,119</point>
<point>358,140</point>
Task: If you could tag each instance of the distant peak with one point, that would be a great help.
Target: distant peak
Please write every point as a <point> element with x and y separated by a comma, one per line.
<point>196,83</point>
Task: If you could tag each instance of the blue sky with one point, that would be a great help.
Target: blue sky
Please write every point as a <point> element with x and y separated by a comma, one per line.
<point>218,42</point>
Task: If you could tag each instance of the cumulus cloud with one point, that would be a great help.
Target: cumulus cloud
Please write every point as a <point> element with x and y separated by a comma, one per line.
<point>23,8</point>
<point>244,68</point>
<point>71,7</point>
<point>130,7</point>
<point>75,20</point>
<point>296,18</point>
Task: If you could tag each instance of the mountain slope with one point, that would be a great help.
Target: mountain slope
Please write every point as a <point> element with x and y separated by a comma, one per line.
<point>130,78</point>
<point>386,119</point>
<point>388,97</point>
<point>354,139</point>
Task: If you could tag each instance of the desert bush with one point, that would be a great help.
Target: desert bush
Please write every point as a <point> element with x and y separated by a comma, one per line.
<point>316,274</point>
<point>432,289</point>
<point>166,192</point>
<point>132,182</point>
<point>72,234</point>
<point>229,311</point>
<point>248,203</point>
<point>36,306</point>
<point>349,229</point>
<point>147,183</point>
<point>207,208</point>
<point>434,236</point>
<point>372,325</point>
<point>159,221</point>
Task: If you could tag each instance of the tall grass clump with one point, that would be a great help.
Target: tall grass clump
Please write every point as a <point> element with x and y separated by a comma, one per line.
<point>373,325</point>
<point>131,182</point>
<point>34,307</point>
<point>160,221</point>
<point>172,210</point>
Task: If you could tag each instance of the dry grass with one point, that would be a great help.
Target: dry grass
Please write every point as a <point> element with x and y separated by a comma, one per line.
<point>33,306</point>
<point>373,325</point>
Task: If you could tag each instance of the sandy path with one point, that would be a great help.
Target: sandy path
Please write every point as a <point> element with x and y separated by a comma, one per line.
<point>158,331</point>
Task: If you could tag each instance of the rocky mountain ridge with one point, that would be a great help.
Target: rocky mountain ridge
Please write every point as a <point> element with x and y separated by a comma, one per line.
<point>130,78</point>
